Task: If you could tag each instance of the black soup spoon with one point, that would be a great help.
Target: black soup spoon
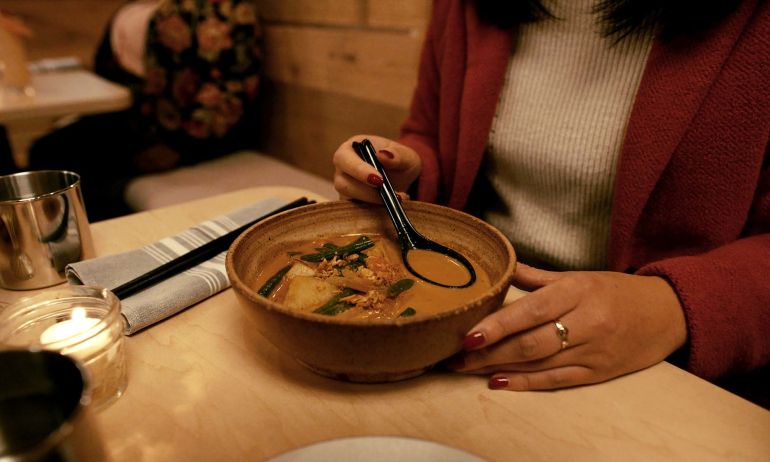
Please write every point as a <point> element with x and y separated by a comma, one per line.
<point>409,238</point>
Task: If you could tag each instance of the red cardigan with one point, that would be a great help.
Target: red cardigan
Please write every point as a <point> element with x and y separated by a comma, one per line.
<point>692,191</point>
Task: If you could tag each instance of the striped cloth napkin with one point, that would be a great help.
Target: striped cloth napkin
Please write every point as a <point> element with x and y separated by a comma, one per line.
<point>172,295</point>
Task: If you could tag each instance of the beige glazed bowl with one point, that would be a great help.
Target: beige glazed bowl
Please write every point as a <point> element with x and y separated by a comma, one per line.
<point>357,350</point>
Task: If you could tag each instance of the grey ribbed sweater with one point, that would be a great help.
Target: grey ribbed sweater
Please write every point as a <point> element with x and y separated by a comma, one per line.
<point>556,136</point>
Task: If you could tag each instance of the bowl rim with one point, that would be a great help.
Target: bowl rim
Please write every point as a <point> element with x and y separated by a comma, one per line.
<point>241,288</point>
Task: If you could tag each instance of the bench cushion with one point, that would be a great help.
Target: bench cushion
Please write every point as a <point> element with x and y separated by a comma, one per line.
<point>244,169</point>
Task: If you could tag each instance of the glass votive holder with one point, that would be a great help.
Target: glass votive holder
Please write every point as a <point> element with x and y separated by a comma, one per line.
<point>82,322</point>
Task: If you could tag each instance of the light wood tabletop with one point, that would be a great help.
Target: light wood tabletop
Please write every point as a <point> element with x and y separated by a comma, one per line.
<point>204,385</point>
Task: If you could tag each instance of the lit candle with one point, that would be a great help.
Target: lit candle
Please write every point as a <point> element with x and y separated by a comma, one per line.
<point>82,322</point>
<point>74,328</point>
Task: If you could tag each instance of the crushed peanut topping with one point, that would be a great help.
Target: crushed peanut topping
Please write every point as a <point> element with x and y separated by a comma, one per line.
<point>327,268</point>
<point>368,301</point>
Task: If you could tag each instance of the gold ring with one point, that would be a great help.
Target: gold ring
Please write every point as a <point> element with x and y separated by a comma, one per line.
<point>562,332</point>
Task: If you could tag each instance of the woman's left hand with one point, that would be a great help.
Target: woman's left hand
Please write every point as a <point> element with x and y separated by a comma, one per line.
<point>14,24</point>
<point>616,323</point>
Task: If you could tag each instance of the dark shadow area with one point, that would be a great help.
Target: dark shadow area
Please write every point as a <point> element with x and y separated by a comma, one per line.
<point>753,386</point>
<point>7,163</point>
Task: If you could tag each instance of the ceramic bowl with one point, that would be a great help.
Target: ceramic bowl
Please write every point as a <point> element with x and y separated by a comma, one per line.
<point>357,350</point>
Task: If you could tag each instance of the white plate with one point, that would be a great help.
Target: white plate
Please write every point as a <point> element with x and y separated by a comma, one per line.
<point>376,449</point>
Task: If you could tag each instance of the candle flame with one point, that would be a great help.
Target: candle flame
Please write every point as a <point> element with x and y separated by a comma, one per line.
<point>78,313</point>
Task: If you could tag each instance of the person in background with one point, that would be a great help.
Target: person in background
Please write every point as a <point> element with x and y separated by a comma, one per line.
<point>12,28</point>
<point>622,146</point>
<point>193,67</point>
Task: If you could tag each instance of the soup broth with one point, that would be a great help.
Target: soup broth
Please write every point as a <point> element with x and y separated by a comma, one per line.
<point>359,277</point>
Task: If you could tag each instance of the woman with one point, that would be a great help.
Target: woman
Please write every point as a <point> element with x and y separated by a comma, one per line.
<point>623,148</point>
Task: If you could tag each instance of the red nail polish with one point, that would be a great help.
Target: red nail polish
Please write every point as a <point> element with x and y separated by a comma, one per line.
<point>473,340</point>
<point>387,154</point>
<point>374,180</point>
<point>496,383</point>
<point>455,362</point>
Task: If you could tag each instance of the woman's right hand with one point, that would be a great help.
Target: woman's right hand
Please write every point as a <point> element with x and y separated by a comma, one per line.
<point>355,179</point>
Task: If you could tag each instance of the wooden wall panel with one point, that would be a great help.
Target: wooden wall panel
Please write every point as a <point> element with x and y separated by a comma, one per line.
<point>408,14</point>
<point>64,27</point>
<point>337,68</point>
<point>336,12</point>
<point>378,66</point>
<point>304,126</point>
<point>396,14</point>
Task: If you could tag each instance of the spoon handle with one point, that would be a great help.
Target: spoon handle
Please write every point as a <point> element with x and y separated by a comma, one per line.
<point>404,227</point>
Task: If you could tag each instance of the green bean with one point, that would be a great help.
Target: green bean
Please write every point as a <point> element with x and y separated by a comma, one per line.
<point>407,312</point>
<point>358,262</point>
<point>268,286</point>
<point>400,286</point>
<point>329,251</point>
<point>334,306</point>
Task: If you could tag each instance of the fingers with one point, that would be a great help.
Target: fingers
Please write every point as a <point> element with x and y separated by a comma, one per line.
<point>14,24</point>
<point>529,278</point>
<point>346,158</point>
<point>549,379</point>
<point>535,344</point>
<point>350,188</point>
<point>557,371</point>
<point>354,178</point>
<point>536,309</point>
<point>521,343</point>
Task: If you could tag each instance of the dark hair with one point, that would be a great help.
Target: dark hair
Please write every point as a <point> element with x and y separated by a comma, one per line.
<point>619,18</point>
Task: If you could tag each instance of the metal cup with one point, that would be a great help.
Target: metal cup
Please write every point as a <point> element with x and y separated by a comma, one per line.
<point>45,409</point>
<point>43,227</point>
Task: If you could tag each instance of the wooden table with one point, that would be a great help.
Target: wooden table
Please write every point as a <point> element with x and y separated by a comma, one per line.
<point>54,95</point>
<point>205,386</point>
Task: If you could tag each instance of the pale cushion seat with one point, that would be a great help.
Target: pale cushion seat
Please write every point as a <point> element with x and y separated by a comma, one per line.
<point>243,169</point>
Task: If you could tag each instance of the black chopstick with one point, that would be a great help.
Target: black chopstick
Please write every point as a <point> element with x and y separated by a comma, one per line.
<point>195,256</point>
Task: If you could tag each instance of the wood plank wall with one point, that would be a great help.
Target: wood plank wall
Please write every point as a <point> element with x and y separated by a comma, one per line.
<point>64,27</point>
<point>334,68</point>
<point>338,68</point>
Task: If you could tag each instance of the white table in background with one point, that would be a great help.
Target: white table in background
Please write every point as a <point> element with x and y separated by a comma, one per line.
<point>54,95</point>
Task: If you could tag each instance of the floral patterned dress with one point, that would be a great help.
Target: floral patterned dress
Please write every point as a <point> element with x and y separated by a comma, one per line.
<point>202,66</point>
